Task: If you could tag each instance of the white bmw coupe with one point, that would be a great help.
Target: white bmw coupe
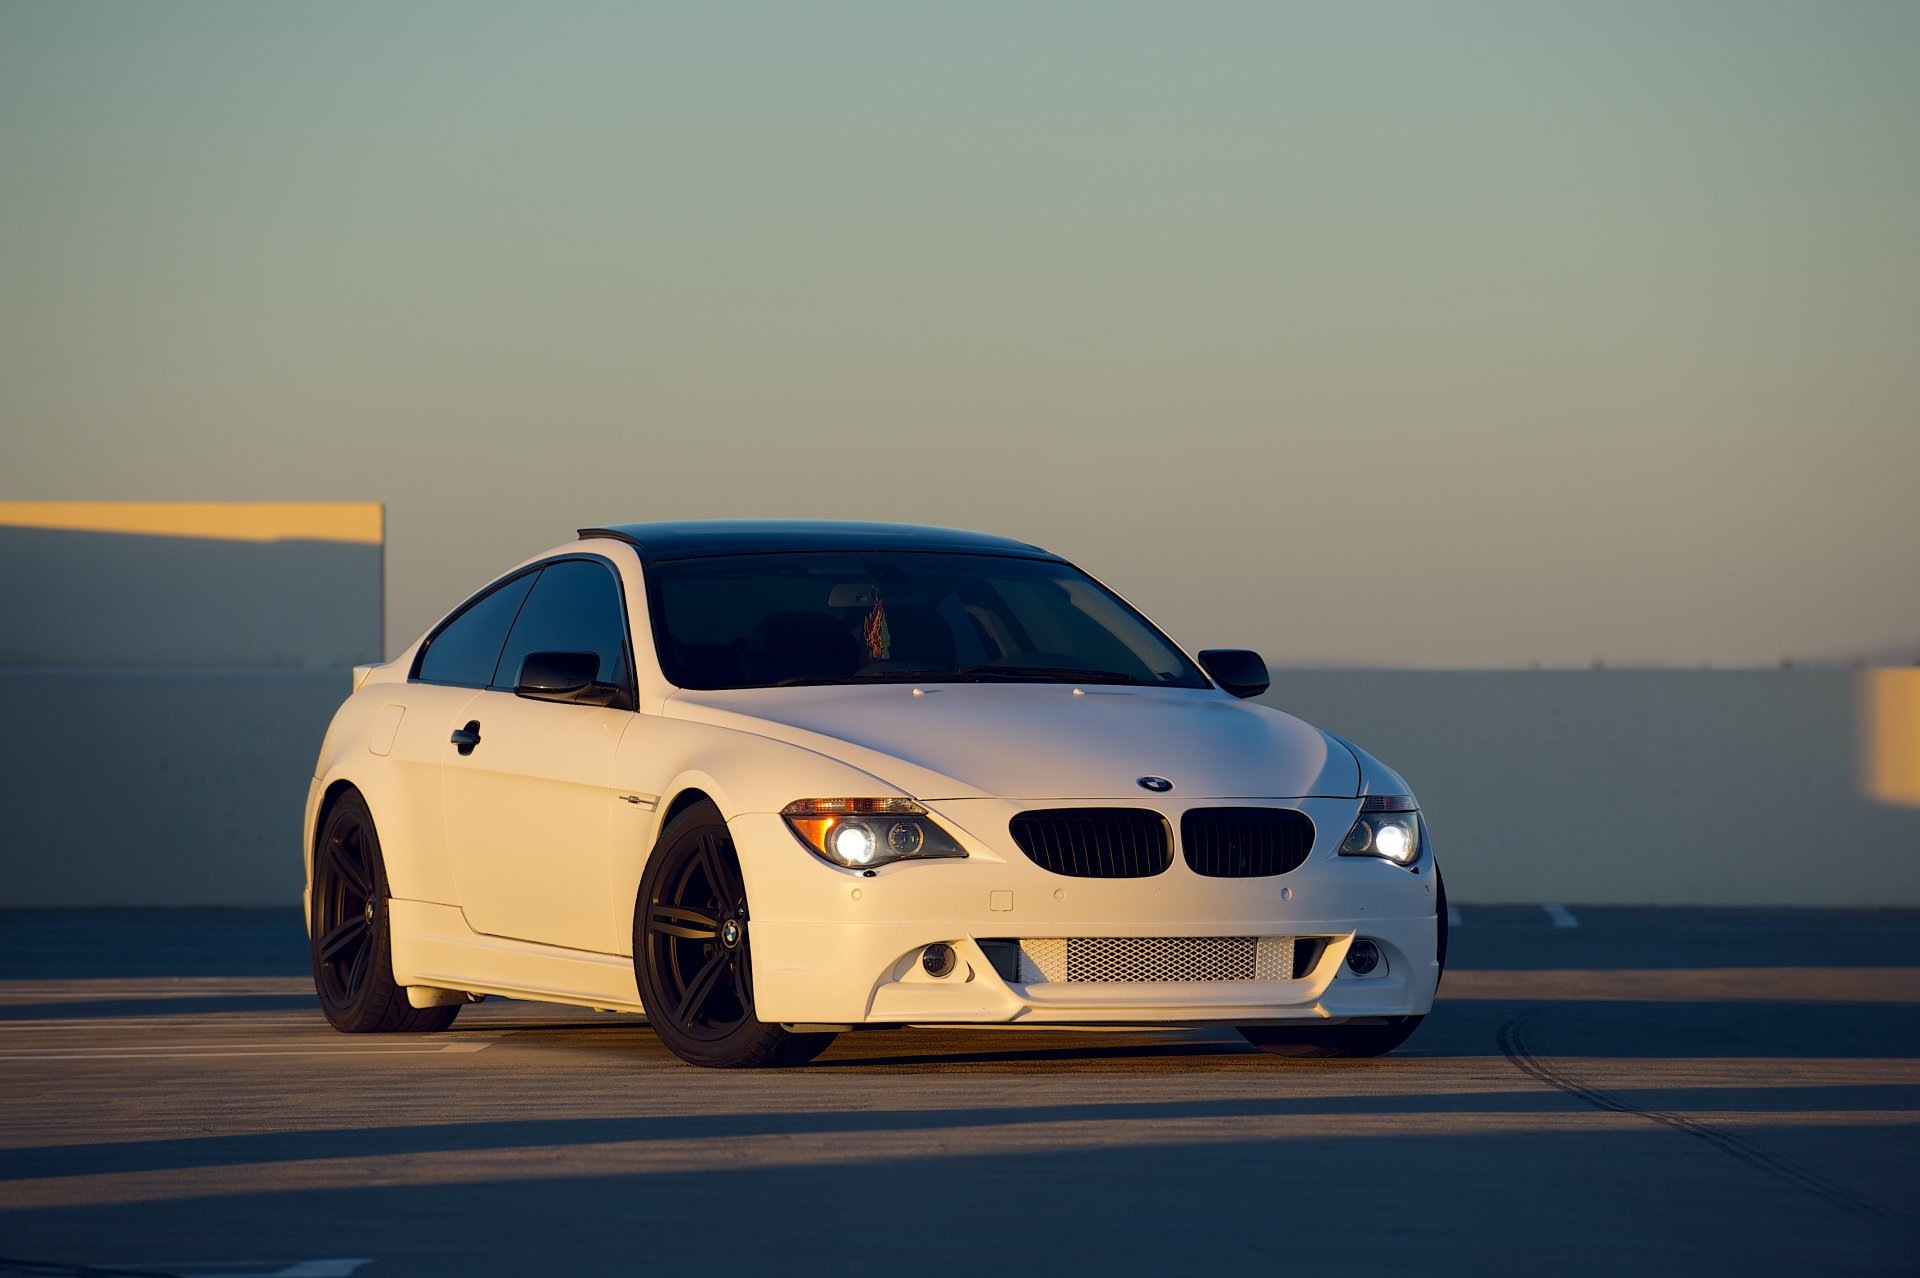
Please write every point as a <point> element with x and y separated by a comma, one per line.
<point>773,781</point>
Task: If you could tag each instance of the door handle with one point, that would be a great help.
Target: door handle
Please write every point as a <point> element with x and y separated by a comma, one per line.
<point>468,737</point>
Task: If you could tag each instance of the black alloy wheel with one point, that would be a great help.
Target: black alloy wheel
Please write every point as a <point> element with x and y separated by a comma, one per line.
<point>349,931</point>
<point>693,952</point>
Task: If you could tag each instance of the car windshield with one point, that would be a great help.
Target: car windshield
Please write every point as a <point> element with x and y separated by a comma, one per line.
<point>769,620</point>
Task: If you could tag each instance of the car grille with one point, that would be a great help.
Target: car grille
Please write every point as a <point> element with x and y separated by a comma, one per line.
<point>1095,843</point>
<point>1245,843</point>
<point>1083,959</point>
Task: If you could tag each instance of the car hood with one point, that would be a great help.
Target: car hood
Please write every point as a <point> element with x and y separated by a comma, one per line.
<point>1042,741</point>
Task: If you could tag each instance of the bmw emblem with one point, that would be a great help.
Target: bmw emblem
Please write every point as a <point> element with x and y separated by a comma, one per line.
<point>1159,785</point>
<point>730,933</point>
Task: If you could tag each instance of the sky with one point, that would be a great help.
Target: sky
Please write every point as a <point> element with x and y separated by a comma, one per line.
<point>1464,335</point>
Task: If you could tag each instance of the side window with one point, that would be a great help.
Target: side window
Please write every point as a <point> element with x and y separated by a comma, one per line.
<point>574,608</point>
<point>468,649</point>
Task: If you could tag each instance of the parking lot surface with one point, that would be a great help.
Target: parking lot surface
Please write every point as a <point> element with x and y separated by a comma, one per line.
<point>1598,1091</point>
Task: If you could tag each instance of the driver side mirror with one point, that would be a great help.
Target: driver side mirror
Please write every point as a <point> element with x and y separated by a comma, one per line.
<point>568,677</point>
<point>1236,670</point>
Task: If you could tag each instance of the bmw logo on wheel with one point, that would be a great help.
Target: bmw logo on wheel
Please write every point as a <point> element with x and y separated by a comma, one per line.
<point>1159,785</point>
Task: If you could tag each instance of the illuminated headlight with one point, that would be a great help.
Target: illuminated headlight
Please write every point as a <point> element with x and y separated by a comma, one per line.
<point>859,834</point>
<point>1388,827</point>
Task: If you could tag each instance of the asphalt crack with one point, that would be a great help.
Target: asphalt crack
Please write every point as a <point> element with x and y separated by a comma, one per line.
<point>1513,1045</point>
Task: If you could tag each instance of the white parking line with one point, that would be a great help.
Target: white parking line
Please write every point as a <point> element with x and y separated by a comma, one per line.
<point>1453,917</point>
<point>1561,916</point>
<point>343,1268</point>
<point>229,1050</point>
<point>170,1024</point>
<point>96,991</point>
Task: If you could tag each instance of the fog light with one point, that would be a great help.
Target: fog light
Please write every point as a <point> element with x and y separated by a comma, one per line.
<point>937,959</point>
<point>1363,957</point>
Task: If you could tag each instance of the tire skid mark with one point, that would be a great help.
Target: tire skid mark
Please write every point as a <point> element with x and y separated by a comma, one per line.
<point>1513,1045</point>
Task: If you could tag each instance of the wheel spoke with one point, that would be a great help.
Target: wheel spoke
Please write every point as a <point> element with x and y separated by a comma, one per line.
<point>700,988</point>
<point>356,974</point>
<point>341,937</point>
<point>721,874</point>
<point>349,869</point>
<point>740,983</point>
<point>678,920</point>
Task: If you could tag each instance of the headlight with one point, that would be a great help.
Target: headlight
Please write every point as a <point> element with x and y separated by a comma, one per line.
<point>1388,827</point>
<point>862,833</point>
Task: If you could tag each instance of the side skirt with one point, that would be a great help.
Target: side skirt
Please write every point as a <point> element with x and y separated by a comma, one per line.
<point>433,946</point>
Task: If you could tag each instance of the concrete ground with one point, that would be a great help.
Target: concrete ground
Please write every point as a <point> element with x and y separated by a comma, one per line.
<point>1598,1091</point>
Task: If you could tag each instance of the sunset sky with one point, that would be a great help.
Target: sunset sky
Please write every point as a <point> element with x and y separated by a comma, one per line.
<point>1429,335</point>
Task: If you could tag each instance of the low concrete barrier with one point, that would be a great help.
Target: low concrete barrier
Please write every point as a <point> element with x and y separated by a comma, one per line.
<point>1656,787</point>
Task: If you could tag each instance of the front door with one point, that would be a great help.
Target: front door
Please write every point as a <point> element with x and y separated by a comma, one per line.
<point>530,805</point>
<point>529,821</point>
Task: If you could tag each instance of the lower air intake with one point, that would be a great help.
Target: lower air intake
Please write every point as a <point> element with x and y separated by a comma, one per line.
<point>1082,959</point>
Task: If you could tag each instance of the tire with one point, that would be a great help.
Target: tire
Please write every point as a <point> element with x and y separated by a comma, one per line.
<point>350,934</point>
<point>1328,1042</point>
<point>692,952</point>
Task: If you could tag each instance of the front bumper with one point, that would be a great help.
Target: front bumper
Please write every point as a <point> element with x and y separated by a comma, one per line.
<point>839,947</point>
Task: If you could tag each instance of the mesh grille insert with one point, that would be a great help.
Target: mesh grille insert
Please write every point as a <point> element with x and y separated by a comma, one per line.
<point>1082,959</point>
<point>1245,843</point>
<point>1095,843</point>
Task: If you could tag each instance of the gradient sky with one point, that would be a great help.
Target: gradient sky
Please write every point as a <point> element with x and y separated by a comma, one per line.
<point>1428,335</point>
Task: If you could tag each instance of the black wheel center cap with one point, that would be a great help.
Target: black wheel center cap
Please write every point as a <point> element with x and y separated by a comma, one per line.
<point>730,933</point>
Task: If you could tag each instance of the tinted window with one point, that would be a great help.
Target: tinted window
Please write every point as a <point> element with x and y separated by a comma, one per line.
<point>466,651</point>
<point>755,620</point>
<point>574,607</point>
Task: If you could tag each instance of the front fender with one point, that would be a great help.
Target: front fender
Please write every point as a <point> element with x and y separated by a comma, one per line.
<point>663,760</point>
<point>1375,776</point>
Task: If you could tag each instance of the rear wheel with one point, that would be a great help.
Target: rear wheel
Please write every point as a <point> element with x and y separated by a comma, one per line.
<point>692,952</point>
<point>350,931</point>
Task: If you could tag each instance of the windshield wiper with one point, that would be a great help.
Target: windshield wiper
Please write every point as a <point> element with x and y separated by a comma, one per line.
<point>968,674</point>
<point>1053,674</point>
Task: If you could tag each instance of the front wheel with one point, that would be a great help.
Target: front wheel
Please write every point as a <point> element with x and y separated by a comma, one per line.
<point>692,952</point>
<point>1327,1042</point>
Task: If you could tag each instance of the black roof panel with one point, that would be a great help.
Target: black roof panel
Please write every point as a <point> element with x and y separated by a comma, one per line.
<point>689,539</point>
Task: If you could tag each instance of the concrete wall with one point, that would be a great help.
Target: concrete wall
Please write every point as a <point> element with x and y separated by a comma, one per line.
<point>158,787</point>
<point>203,585</point>
<point>1751,787</point>
<point>166,673</point>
